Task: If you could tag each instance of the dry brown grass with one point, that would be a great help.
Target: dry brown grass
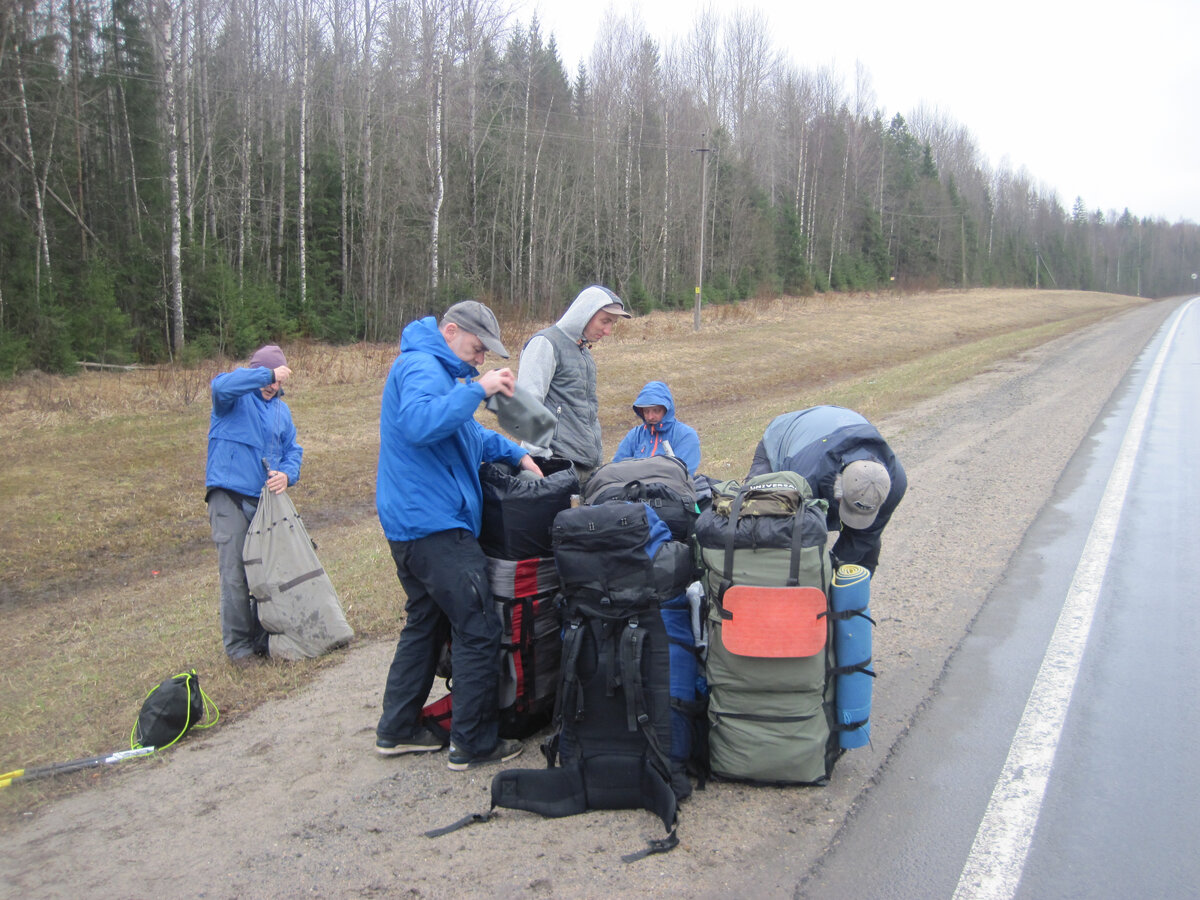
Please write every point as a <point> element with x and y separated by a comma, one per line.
<point>109,577</point>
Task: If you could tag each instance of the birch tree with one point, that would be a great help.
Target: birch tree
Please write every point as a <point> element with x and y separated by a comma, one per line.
<point>168,33</point>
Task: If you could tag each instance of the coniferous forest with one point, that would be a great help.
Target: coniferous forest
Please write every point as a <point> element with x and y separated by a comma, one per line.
<point>185,178</point>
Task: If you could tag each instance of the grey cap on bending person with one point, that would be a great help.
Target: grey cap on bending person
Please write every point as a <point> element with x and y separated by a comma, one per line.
<point>865,485</point>
<point>473,316</point>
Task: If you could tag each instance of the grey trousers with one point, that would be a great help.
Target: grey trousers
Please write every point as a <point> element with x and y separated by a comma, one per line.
<point>230,519</point>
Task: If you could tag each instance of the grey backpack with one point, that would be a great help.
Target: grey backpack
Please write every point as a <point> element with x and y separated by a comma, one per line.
<point>297,604</point>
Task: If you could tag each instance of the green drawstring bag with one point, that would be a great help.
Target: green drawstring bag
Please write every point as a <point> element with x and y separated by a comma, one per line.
<point>171,709</point>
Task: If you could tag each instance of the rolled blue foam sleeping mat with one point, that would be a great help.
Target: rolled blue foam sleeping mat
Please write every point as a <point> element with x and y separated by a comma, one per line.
<point>851,592</point>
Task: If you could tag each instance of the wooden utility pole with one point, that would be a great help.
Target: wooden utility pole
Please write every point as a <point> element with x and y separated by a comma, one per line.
<point>700,250</point>
<point>962,245</point>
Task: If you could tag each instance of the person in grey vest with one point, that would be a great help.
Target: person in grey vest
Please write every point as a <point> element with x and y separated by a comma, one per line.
<point>846,462</point>
<point>557,368</point>
<point>250,426</point>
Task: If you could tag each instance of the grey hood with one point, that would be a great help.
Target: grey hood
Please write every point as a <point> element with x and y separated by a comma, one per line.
<point>590,301</point>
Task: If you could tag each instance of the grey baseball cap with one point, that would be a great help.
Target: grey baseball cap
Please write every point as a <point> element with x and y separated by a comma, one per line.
<point>865,485</point>
<point>473,316</point>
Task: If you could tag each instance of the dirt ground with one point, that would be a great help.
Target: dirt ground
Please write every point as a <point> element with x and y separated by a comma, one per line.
<point>291,800</point>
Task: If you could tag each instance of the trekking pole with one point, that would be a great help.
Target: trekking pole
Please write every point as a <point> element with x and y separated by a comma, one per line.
<point>73,766</point>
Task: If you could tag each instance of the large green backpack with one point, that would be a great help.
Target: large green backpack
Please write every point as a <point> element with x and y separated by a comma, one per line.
<point>771,654</point>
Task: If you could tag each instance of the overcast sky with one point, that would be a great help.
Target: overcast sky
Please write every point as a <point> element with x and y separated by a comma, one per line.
<point>1096,100</point>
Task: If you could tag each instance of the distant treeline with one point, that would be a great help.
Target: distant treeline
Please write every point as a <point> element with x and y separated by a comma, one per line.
<point>181,178</point>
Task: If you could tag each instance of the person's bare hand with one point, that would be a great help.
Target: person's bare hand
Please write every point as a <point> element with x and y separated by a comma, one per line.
<point>277,482</point>
<point>498,380</point>
<point>282,374</point>
<point>529,465</point>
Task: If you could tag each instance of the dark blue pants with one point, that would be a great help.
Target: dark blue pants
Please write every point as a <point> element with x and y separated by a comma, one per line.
<point>445,578</point>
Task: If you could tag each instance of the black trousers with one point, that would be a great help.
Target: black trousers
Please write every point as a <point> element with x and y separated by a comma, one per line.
<point>445,578</point>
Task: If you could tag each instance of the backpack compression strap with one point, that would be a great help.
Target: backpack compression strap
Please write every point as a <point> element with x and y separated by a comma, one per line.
<point>735,509</point>
<point>730,533</point>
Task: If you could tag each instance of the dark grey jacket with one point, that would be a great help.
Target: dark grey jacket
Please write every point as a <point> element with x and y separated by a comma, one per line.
<point>817,443</point>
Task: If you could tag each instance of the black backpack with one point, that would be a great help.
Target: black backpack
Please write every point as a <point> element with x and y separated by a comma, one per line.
<point>518,511</point>
<point>612,741</point>
<point>525,594</point>
<point>171,709</point>
<point>622,550</point>
<point>661,482</point>
<point>612,747</point>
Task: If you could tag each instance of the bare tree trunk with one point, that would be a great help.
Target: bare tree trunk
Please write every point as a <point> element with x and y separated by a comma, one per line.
<point>302,150</point>
<point>169,33</point>
<point>666,206</point>
<point>627,202</point>
<point>835,237</point>
<point>801,176</point>
<point>207,161</point>
<point>39,188</point>
<point>73,17</point>
<point>812,198</point>
<point>522,184</point>
<point>596,263</point>
<point>135,196</point>
<point>369,231</point>
<point>339,113</point>
<point>183,94</point>
<point>281,204</point>
<point>437,171</point>
<point>533,207</point>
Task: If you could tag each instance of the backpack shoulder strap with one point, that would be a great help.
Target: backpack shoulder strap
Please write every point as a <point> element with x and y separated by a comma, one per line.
<point>735,509</point>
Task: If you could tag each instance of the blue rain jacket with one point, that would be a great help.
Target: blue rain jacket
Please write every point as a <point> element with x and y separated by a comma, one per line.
<point>647,440</point>
<point>245,428</point>
<point>430,446</point>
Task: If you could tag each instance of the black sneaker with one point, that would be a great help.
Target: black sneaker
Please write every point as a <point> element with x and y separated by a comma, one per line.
<point>461,760</point>
<point>424,741</point>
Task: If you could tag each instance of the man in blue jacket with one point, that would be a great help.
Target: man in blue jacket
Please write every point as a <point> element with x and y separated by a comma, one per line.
<point>660,433</point>
<point>846,462</point>
<point>430,505</point>
<point>251,442</point>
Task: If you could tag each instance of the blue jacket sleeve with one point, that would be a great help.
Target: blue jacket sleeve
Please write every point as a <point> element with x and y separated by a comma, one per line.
<point>427,412</point>
<point>228,386</point>
<point>498,448</point>
<point>625,448</point>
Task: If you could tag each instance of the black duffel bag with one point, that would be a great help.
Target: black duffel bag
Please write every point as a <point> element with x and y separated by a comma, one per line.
<point>518,510</point>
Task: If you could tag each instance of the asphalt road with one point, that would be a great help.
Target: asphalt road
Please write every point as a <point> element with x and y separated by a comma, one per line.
<point>1056,757</point>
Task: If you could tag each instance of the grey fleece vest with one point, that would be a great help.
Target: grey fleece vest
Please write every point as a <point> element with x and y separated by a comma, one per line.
<point>572,398</point>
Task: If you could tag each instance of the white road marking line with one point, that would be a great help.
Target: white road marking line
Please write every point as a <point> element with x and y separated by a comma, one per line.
<point>997,858</point>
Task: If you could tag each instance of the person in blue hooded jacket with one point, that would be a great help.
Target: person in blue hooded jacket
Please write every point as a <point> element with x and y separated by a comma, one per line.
<point>660,433</point>
<point>430,505</point>
<point>251,443</point>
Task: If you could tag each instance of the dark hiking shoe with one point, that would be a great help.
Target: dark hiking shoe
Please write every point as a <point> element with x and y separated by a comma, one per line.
<point>461,760</point>
<point>424,741</point>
